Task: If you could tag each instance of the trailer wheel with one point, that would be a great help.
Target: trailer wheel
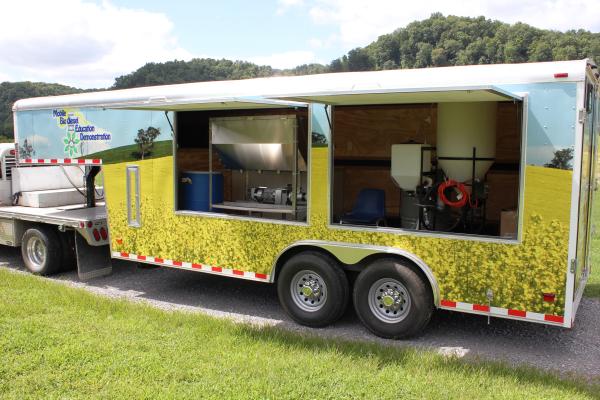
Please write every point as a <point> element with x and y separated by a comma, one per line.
<point>313,289</point>
<point>41,250</point>
<point>392,300</point>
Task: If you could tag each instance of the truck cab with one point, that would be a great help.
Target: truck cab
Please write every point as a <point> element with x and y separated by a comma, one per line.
<point>7,162</point>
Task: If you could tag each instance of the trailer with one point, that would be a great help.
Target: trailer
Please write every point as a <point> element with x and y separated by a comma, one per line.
<point>460,188</point>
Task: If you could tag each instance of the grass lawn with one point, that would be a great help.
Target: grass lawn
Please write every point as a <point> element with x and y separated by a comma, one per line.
<point>593,286</point>
<point>61,342</point>
<point>127,153</point>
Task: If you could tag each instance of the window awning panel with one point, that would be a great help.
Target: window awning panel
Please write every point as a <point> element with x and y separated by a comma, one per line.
<point>409,96</point>
<point>232,103</point>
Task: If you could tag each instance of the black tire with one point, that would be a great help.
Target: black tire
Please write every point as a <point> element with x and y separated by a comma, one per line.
<point>324,278</point>
<point>68,256</point>
<point>392,299</point>
<point>41,250</point>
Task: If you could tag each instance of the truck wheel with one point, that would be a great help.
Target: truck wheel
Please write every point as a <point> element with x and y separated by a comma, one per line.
<point>392,300</point>
<point>313,289</point>
<point>41,250</point>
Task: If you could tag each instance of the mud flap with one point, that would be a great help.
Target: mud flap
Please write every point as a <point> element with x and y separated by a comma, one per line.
<point>92,261</point>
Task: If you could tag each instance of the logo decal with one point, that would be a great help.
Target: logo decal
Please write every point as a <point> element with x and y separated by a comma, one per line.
<point>71,141</point>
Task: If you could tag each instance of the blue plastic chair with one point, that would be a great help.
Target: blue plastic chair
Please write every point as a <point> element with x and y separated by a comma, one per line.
<point>369,209</point>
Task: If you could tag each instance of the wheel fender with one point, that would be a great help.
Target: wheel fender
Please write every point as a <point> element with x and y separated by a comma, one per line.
<point>352,253</point>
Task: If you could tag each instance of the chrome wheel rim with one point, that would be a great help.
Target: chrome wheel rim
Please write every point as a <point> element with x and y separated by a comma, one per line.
<point>36,252</point>
<point>308,290</point>
<point>389,300</point>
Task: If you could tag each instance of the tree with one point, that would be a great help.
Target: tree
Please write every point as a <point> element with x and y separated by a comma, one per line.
<point>541,51</point>
<point>423,57</point>
<point>26,151</point>
<point>438,57</point>
<point>145,141</point>
<point>336,65</point>
<point>359,60</point>
<point>562,159</point>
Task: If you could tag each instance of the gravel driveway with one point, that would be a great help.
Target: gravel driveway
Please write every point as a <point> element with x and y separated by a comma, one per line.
<point>574,351</point>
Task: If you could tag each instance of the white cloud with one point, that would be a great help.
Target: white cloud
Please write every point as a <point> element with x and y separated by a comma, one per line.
<point>324,43</point>
<point>284,5</point>
<point>81,43</point>
<point>315,43</point>
<point>288,59</point>
<point>290,3</point>
<point>360,22</point>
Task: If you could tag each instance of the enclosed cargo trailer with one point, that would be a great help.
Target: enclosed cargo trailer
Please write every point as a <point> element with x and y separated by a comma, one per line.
<point>461,188</point>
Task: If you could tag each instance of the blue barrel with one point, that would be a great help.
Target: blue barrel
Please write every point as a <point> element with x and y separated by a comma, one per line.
<point>193,190</point>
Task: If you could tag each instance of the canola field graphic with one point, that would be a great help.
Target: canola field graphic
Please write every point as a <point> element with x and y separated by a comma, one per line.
<point>517,274</point>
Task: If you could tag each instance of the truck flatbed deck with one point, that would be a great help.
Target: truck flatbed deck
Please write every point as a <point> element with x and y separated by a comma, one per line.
<point>71,215</point>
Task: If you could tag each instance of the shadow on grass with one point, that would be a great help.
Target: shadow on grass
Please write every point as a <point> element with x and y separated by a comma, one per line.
<point>387,356</point>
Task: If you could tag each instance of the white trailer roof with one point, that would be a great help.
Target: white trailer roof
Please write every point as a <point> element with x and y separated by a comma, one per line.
<point>309,86</point>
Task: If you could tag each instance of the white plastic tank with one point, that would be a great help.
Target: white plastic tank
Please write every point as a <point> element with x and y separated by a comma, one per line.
<point>460,127</point>
<point>406,164</point>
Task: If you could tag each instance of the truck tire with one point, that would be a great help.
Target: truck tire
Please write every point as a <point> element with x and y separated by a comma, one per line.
<point>392,299</point>
<point>313,289</point>
<point>41,250</point>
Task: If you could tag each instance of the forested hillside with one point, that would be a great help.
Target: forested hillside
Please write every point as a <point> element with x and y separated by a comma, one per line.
<point>436,41</point>
<point>13,91</point>
<point>441,41</point>
<point>198,69</point>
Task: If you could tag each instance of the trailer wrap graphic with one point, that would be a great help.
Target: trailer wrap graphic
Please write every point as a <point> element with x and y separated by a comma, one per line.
<point>78,130</point>
<point>90,133</point>
<point>517,274</point>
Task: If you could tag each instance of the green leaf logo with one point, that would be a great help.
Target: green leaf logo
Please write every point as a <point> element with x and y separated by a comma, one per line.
<point>71,141</point>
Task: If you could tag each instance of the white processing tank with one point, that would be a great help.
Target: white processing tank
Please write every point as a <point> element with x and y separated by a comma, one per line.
<point>406,164</point>
<point>460,127</point>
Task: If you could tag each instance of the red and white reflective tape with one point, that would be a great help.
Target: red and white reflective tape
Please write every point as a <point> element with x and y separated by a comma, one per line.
<point>211,269</point>
<point>58,161</point>
<point>485,309</point>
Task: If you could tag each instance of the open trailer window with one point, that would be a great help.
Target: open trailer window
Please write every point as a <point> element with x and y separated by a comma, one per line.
<point>246,163</point>
<point>450,166</point>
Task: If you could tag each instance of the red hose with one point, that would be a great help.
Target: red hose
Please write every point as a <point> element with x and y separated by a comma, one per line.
<point>461,188</point>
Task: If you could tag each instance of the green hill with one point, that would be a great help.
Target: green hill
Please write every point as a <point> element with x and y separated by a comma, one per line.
<point>128,153</point>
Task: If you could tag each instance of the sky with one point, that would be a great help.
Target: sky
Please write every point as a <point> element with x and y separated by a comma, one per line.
<point>87,43</point>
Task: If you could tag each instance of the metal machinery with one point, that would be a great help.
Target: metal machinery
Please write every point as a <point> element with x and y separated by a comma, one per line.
<point>279,196</point>
<point>443,187</point>
<point>268,165</point>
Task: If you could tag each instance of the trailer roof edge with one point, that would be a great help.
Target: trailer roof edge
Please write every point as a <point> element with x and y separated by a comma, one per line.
<point>278,87</point>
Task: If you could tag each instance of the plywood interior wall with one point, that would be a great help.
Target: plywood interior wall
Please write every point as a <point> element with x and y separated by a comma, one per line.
<point>508,133</point>
<point>368,132</point>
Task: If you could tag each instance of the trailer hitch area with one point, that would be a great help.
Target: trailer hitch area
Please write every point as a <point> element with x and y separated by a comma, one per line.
<point>90,188</point>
